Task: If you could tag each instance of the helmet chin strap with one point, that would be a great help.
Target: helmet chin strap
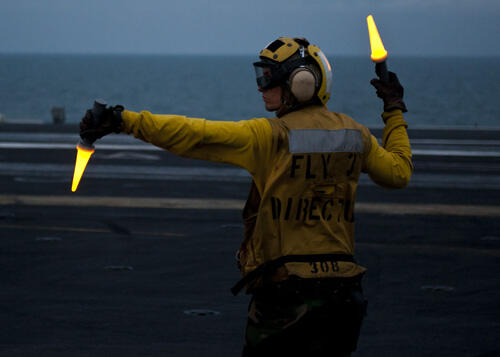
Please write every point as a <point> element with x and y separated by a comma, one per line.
<point>288,102</point>
<point>282,110</point>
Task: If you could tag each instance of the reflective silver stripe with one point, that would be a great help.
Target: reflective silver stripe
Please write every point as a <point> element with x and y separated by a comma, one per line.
<point>321,140</point>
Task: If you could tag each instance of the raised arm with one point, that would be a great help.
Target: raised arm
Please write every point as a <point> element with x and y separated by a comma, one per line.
<point>390,165</point>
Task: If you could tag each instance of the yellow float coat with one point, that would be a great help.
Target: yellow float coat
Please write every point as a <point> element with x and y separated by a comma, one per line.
<point>305,167</point>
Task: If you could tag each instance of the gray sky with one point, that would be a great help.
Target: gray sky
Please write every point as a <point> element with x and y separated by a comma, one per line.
<point>407,27</point>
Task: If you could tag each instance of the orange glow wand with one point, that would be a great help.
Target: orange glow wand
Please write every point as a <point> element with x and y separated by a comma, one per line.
<point>379,54</point>
<point>85,148</point>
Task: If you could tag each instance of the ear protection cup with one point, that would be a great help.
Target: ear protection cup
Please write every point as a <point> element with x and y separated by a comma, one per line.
<point>302,84</point>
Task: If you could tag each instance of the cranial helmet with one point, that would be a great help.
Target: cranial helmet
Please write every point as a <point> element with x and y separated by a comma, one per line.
<point>300,65</point>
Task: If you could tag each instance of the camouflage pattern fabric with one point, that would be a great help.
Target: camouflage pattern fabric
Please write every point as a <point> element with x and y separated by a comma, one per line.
<point>304,321</point>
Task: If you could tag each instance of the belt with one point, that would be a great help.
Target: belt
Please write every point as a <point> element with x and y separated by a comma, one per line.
<point>274,264</point>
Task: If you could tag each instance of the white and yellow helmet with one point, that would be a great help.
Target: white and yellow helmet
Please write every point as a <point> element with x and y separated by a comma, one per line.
<point>296,62</point>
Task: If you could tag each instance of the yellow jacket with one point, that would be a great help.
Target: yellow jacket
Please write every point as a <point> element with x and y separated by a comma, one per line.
<point>282,181</point>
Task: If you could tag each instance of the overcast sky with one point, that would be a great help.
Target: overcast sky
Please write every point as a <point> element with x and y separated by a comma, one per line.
<point>408,27</point>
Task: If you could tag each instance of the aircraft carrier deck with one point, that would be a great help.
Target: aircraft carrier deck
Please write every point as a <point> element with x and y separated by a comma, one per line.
<point>139,261</point>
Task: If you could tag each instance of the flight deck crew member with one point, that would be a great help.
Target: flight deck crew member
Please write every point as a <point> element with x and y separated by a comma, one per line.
<point>297,256</point>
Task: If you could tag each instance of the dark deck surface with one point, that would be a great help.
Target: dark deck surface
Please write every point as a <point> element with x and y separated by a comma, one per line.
<point>117,278</point>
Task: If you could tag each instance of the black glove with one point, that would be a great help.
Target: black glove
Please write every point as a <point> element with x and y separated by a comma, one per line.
<point>109,122</point>
<point>390,92</point>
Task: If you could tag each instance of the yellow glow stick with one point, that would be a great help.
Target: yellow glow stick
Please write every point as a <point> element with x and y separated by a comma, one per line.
<point>82,158</point>
<point>379,53</point>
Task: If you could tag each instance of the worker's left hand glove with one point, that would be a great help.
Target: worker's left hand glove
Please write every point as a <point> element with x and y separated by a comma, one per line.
<point>390,92</point>
<point>109,122</point>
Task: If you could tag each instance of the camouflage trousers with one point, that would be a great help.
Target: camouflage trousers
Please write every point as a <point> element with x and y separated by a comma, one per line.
<point>305,318</point>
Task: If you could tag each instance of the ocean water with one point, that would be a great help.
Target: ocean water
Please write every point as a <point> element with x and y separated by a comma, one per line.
<point>438,91</point>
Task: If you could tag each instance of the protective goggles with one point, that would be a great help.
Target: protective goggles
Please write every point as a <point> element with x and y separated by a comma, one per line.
<point>271,74</point>
<point>267,74</point>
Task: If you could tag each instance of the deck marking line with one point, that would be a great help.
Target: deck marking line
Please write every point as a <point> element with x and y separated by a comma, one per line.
<point>84,230</point>
<point>233,204</point>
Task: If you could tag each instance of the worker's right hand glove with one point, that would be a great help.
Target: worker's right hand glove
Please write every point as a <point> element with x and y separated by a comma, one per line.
<point>109,122</point>
<point>390,92</point>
